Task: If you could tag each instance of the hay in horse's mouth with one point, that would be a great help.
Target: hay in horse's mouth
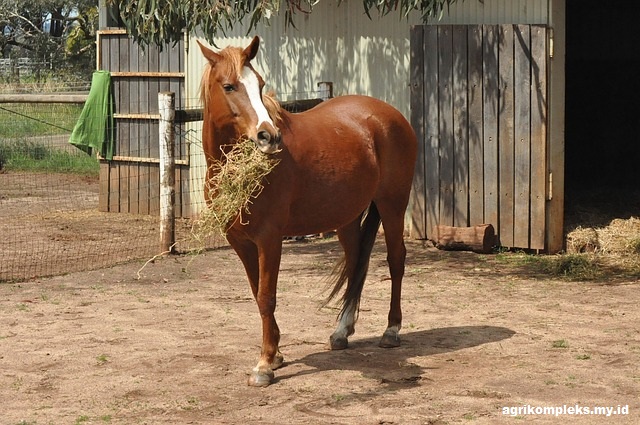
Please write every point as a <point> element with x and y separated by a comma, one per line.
<point>237,178</point>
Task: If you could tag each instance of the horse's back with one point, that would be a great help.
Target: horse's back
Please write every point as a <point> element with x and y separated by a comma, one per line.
<point>394,139</point>
<point>367,115</point>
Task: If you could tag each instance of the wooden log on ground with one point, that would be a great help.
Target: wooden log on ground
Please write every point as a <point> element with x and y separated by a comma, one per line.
<point>479,238</point>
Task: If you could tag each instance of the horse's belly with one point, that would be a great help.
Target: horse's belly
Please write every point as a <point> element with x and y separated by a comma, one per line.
<point>328,208</point>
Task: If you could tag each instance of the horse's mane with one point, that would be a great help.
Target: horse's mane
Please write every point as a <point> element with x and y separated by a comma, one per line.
<point>235,62</point>
<point>273,107</point>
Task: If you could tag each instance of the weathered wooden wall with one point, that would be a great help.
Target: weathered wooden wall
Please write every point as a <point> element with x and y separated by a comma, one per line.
<point>479,106</point>
<point>130,182</point>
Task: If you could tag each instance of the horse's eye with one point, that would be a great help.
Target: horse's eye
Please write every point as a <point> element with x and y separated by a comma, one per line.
<point>228,87</point>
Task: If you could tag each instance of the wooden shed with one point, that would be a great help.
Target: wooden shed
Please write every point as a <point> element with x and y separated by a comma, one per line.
<point>130,182</point>
<point>476,86</point>
<point>485,88</point>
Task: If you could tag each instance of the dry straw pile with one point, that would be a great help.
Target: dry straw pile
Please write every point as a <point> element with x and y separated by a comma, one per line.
<point>614,247</point>
<point>237,179</point>
<point>620,237</point>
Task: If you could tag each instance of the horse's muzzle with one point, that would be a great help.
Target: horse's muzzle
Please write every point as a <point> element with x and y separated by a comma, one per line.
<point>267,142</point>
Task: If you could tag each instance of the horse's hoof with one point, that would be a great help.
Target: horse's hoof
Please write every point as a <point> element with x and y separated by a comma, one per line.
<point>261,379</point>
<point>338,343</point>
<point>390,339</point>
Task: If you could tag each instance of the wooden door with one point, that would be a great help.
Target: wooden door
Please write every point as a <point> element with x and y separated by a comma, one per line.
<point>479,107</point>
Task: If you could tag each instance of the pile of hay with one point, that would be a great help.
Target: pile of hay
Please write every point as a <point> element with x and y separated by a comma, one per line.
<point>237,179</point>
<point>620,236</point>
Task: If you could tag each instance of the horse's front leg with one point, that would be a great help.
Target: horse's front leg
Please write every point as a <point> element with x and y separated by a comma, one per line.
<point>269,254</point>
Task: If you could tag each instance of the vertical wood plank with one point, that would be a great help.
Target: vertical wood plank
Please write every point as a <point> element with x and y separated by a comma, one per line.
<point>134,188</point>
<point>418,193</point>
<point>105,52</point>
<point>432,136</point>
<point>143,93</point>
<point>154,84</point>
<point>164,58</point>
<point>460,127</point>
<point>114,53</point>
<point>114,187</point>
<point>122,96</point>
<point>124,186</point>
<point>154,189</point>
<point>177,207</point>
<point>476,122</point>
<point>490,128</point>
<point>555,105</point>
<point>154,134</point>
<point>523,164</point>
<point>506,133</point>
<point>143,188</point>
<point>185,197</point>
<point>445,123</point>
<point>134,89</point>
<point>539,110</point>
<point>103,192</point>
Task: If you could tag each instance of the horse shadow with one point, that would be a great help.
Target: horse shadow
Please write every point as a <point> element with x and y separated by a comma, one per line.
<point>393,367</point>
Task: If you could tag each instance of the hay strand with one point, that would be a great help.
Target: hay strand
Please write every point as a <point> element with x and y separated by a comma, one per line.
<point>237,179</point>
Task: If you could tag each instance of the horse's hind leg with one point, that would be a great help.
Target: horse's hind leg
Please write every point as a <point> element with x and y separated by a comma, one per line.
<point>349,237</point>
<point>393,224</point>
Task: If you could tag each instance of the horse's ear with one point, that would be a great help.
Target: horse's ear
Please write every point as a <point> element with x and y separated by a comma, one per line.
<point>252,50</point>
<point>209,54</point>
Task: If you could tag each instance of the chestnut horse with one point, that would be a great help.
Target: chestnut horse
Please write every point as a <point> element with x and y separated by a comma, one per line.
<point>346,164</point>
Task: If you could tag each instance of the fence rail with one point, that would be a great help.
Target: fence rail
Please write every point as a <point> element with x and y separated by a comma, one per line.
<point>77,98</point>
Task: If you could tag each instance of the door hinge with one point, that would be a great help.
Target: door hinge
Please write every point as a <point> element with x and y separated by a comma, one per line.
<point>551,43</point>
<point>550,194</point>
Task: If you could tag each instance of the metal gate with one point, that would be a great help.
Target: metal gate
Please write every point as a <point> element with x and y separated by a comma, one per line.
<point>479,108</point>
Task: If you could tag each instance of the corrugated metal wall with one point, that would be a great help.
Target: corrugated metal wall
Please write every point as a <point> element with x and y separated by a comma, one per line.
<point>340,44</point>
<point>359,55</point>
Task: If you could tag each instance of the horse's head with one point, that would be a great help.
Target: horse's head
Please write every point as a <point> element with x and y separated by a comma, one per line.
<point>231,91</point>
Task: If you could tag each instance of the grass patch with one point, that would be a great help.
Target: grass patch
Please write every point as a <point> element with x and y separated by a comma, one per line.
<point>560,343</point>
<point>102,359</point>
<point>22,155</point>
<point>18,120</point>
<point>572,266</point>
<point>609,252</point>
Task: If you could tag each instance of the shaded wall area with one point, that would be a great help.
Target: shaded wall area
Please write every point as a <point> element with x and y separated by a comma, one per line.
<point>602,98</point>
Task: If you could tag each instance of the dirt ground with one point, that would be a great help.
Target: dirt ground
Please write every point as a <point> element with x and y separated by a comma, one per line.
<point>173,343</point>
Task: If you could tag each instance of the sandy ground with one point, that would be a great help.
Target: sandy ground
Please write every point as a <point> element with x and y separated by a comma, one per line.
<point>173,343</point>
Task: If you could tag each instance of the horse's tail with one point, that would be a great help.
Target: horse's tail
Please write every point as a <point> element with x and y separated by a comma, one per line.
<point>368,230</point>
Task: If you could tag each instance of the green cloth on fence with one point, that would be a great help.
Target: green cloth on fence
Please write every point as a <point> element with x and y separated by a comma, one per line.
<point>95,127</point>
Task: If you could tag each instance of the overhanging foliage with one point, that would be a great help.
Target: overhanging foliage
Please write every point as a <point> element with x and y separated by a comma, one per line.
<point>160,22</point>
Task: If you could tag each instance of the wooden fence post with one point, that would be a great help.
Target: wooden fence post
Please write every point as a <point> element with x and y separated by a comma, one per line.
<point>166,106</point>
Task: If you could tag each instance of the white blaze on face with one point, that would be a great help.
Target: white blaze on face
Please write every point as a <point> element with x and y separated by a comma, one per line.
<point>252,85</point>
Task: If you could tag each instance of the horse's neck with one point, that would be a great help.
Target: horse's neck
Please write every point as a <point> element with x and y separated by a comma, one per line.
<point>214,144</point>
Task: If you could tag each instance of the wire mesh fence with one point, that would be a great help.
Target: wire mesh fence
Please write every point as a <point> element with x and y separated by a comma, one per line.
<point>51,216</point>
<point>62,210</point>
